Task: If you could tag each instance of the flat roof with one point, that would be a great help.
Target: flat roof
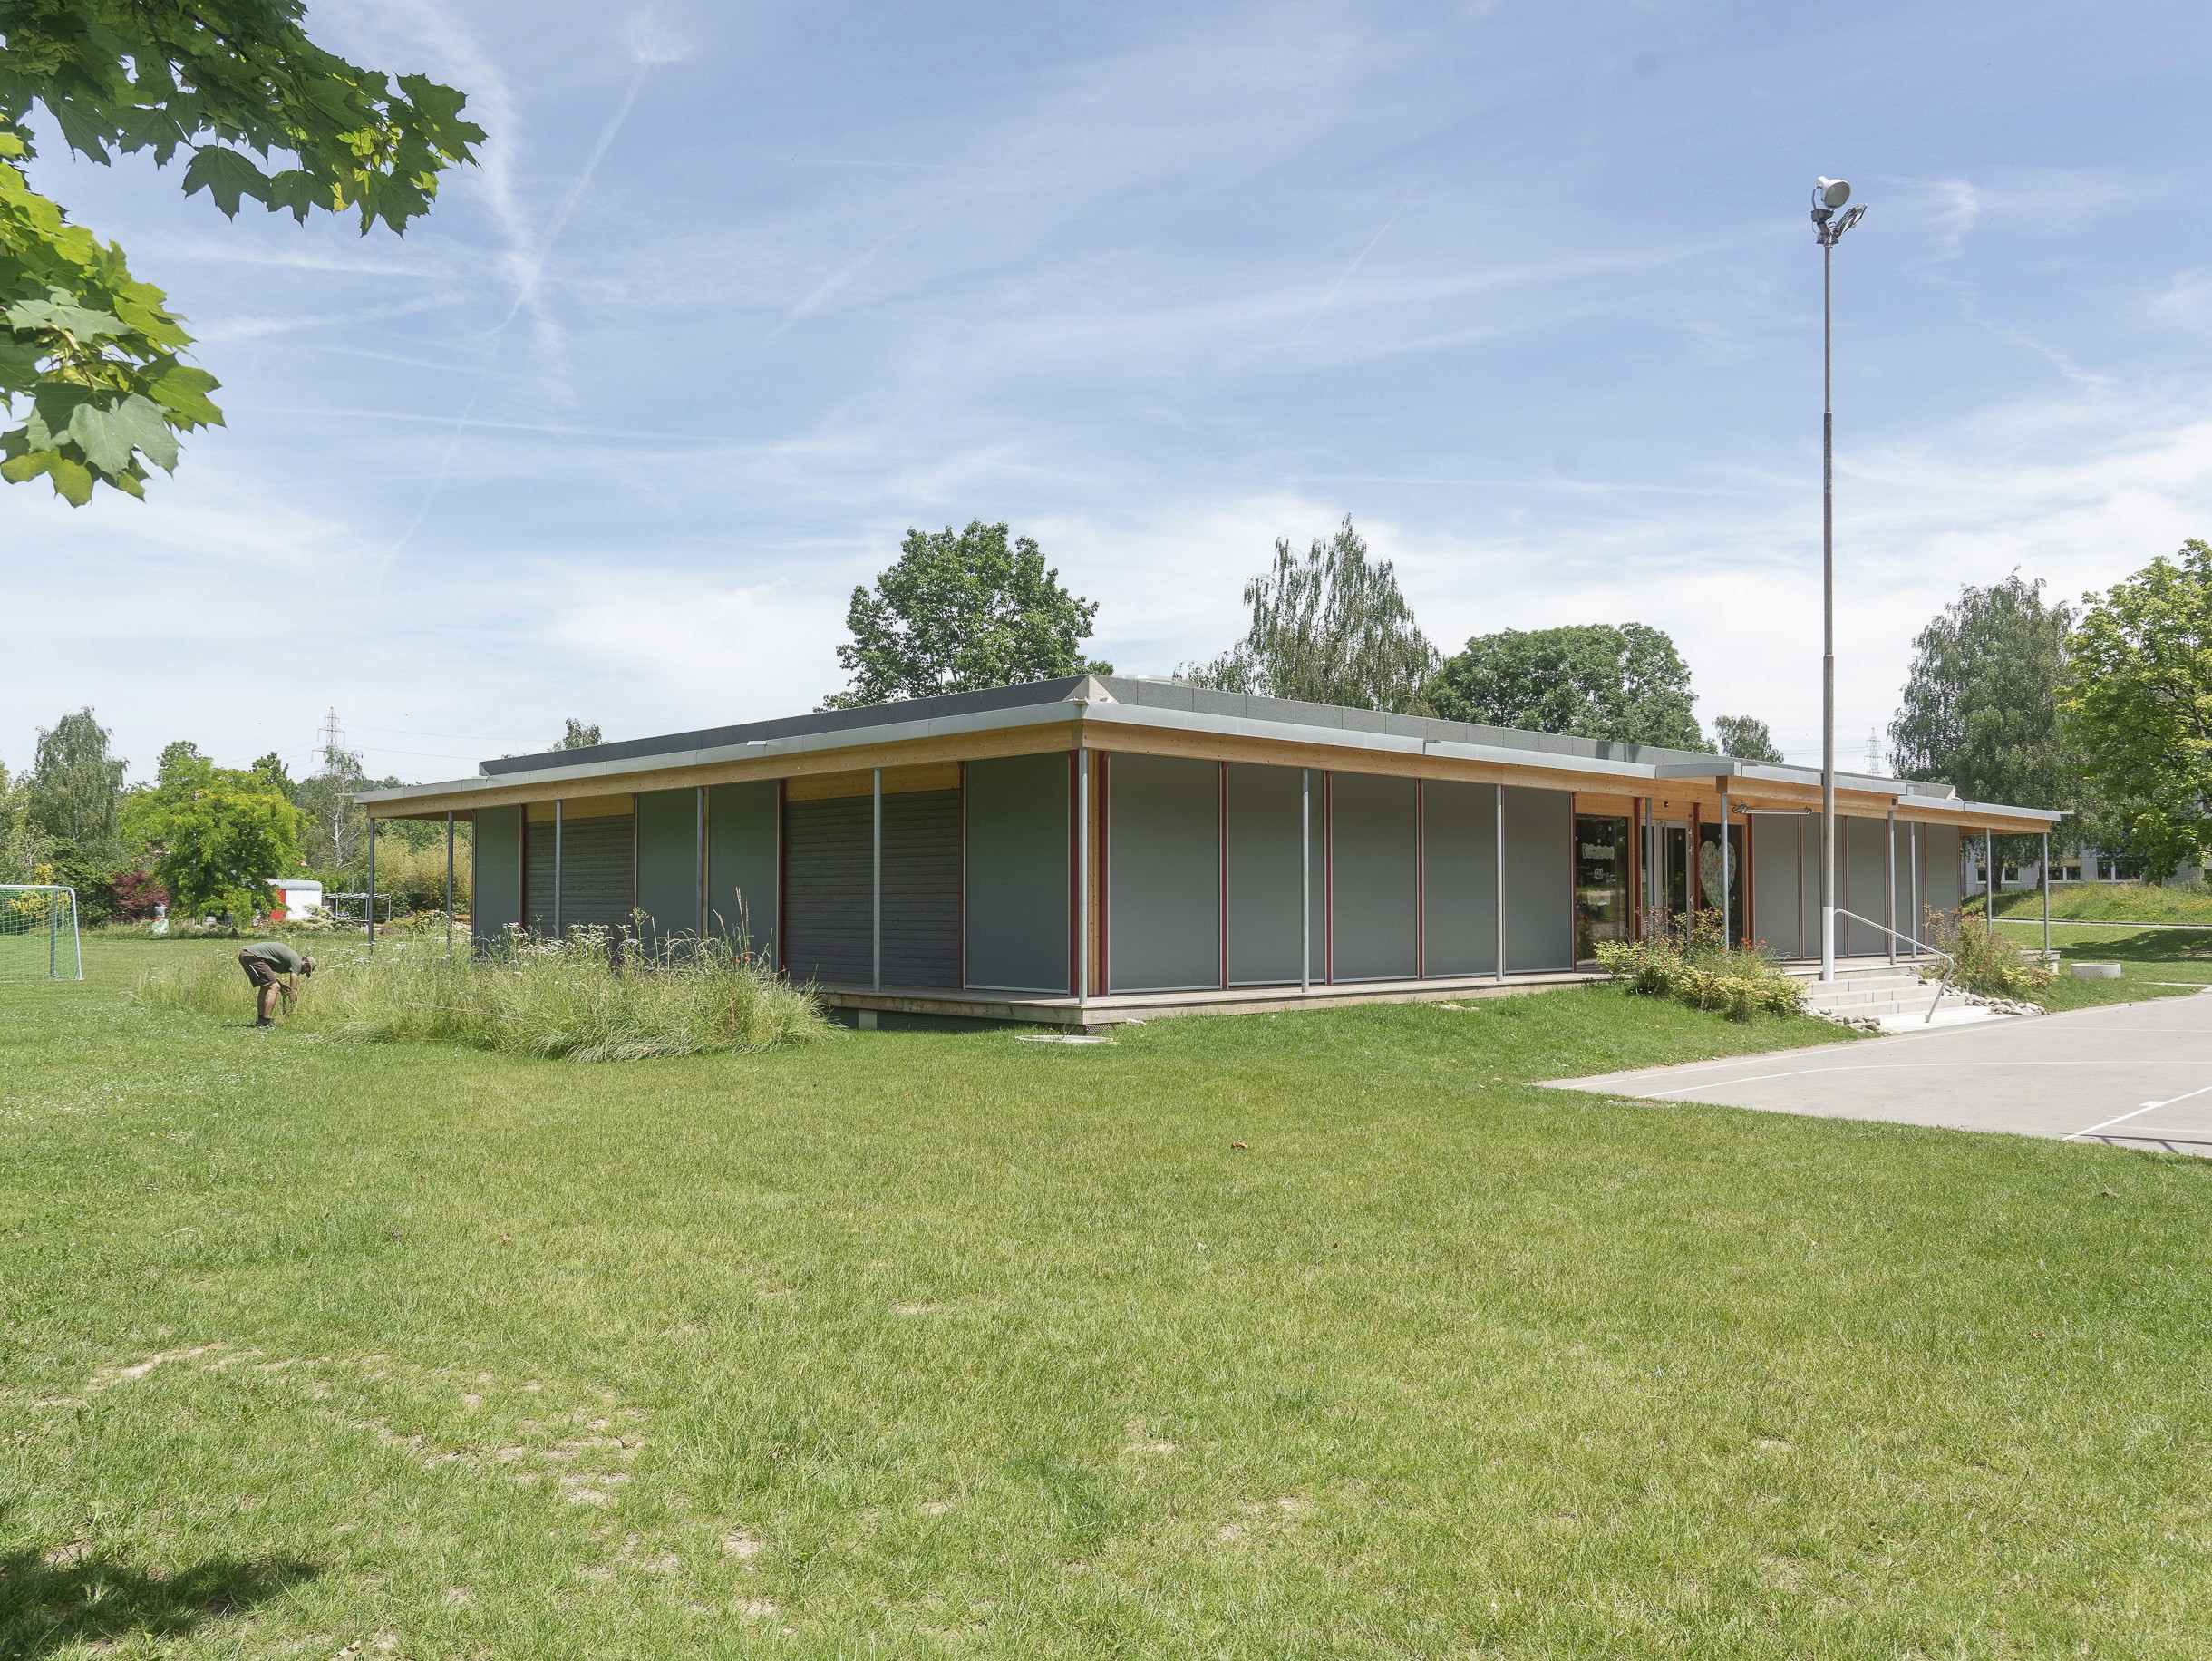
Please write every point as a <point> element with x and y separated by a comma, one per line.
<point>1131,701</point>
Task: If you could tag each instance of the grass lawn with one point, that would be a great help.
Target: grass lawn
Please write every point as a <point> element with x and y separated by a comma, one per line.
<point>913,1344</point>
<point>2101,902</point>
<point>2153,962</point>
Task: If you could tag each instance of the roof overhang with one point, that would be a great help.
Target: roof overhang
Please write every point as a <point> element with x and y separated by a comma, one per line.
<point>1098,721</point>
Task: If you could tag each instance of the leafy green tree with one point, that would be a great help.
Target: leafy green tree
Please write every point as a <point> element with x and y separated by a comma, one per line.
<point>21,845</point>
<point>580,735</point>
<point>76,786</point>
<point>1745,737</point>
<point>2136,697</point>
<point>960,611</point>
<point>265,112</point>
<point>1624,682</point>
<point>1980,709</point>
<point>1330,628</point>
<point>222,834</point>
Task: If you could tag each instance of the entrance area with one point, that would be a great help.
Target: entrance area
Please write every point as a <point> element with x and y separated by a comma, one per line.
<point>1601,882</point>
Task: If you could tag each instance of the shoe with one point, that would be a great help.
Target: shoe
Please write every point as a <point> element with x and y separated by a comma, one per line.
<point>260,1027</point>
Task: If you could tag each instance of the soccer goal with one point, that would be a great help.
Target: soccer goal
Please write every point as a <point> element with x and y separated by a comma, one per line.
<point>38,933</point>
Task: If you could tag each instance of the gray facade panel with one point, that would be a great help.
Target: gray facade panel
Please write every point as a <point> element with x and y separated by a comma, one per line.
<point>1539,879</point>
<point>1374,877</point>
<point>495,880</point>
<point>744,885</point>
<point>1019,889</point>
<point>1808,885</point>
<point>1163,873</point>
<point>1939,857</point>
<point>1266,866</point>
<point>1776,854</point>
<point>1459,878</point>
<point>668,863</point>
<point>1860,843</point>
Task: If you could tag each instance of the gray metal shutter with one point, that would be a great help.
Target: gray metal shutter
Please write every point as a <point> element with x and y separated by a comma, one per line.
<point>828,881</point>
<point>921,889</point>
<point>597,872</point>
<point>1460,884</point>
<point>1939,857</point>
<point>537,877</point>
<point>1539,879</point>
<point>1375,881</point>
<point>495,881</point>
<point>1018,893</point>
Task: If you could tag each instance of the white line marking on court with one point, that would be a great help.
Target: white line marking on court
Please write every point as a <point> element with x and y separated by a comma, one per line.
<point>2147,1107</point>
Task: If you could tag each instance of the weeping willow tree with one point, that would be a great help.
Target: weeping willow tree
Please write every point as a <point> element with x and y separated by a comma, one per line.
<point>1331,627</point>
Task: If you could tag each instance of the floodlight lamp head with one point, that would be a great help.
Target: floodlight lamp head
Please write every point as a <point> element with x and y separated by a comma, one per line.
<point>1850,218</point>
<point>1831,193</point>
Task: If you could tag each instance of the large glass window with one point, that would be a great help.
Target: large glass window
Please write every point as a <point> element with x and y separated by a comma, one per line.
<point>1601,882</point>
<point>1719,887</point>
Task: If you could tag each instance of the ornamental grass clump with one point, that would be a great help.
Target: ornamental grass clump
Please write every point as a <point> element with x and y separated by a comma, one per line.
<point>597,995</point>
<point>1986,962</point>
<point>1690,963</point>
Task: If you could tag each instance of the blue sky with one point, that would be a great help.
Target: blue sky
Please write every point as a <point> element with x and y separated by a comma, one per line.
<point>740,293</point>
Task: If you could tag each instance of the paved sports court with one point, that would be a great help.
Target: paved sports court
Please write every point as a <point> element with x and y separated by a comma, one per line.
<point>2130,1076</point>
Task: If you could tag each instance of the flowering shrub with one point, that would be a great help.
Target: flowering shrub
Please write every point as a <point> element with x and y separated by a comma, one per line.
<point>1694,965</point>
<point>1988,963</point>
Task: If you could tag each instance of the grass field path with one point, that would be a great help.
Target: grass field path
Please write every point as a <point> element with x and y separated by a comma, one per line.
<point>1323,1335</point>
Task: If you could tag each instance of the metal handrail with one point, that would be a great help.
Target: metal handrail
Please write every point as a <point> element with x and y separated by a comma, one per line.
<point>1918,946</point>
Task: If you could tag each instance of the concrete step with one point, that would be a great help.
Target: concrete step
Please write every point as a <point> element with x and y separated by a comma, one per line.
<point>1963,1014</point>
<point>1877,994</point>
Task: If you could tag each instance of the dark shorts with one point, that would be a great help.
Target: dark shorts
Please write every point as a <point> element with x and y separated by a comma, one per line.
<point>257,971</point>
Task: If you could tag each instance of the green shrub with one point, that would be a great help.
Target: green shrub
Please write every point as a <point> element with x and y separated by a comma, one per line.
<point>594,995</point>
<point>1694,967</point>
<point>1986,963</point>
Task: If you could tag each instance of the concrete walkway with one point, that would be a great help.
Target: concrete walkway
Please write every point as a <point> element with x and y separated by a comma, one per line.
<point>2130,1076</point>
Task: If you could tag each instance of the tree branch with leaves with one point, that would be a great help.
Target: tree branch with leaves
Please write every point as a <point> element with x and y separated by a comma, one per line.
<point>91,366</point>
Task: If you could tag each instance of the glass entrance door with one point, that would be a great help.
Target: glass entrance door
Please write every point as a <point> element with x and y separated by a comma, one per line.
<point>1666,879</point>
<point>1601,882</point>
<point>1719,884</point>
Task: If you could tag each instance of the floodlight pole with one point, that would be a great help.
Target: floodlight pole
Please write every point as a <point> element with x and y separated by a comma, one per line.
<point>1828,603</point>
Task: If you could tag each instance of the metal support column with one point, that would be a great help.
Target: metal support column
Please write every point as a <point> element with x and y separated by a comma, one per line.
<point>1306,880</point>
<point>699,847</point>
<point>876,901</point>
<point>556,831</point>
<point>1989,881</point>
<point>1499,847</point>
<point>1728,937</point>
<point>1919,878</point>
<point>1083,876</point>
<point>1890,882</point>
<point>2046,895</point>
<point>449,882</point>
<point>372,887</point>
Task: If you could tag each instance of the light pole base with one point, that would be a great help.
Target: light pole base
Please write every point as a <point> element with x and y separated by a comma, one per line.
<point>1828,942</point>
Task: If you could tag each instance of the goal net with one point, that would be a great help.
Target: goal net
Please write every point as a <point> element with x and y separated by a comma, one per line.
<point>38,933</point>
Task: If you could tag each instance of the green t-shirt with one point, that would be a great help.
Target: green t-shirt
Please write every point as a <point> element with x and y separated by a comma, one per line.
<point>276,955</point>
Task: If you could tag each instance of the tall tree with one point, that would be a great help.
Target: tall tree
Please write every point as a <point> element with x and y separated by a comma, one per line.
<point>223,834</point>
<point>580,736</point>
<point>76,785</point>
<point>2135,697</point>
<point>21,844</point>
<point>1745,737</point>
<point>1624,682</point>
<point>1330,628</point>
<point>962,610</point>
<point>1980,707</point>
<point>93,351</point>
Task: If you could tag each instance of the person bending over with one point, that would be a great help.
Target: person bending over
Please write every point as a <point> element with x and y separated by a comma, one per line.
<point>263,962</point>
